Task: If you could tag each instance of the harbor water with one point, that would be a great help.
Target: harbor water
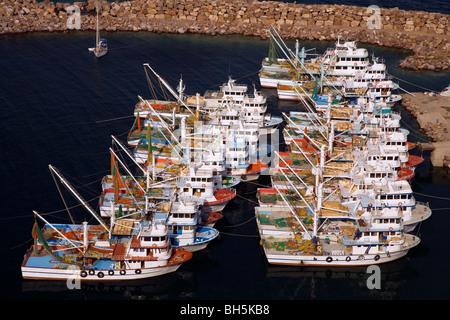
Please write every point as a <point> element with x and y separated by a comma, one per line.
<point>60,106</point>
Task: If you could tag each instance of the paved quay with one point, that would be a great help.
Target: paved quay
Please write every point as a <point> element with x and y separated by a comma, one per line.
<point>432,112</point>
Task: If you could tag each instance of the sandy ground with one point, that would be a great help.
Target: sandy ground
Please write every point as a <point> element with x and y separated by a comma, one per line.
<point>433,115</point>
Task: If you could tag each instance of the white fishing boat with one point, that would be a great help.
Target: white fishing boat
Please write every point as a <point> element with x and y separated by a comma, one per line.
<point>185,228</point>
<point>126,249</point>
<point>198,182</point>
<point>229,92</point>
<point>82,252</point>
<point>326,235</point>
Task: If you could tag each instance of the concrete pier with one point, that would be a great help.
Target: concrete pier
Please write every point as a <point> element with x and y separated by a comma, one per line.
<point>432,112</point>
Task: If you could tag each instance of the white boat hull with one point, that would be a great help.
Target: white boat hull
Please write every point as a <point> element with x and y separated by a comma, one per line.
<point>340,260</point>
<point>38,273</point>
<point>336,261</point>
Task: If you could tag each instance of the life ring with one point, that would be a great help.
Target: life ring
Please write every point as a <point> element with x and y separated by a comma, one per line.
<point>373,181</point>
<point>111,272</point>
<point>391,229</point>
<point>389,139</point>
<point>333,63</point>
<point>255,110</point>
<point>138,271</point>
<point>122,272</point>
<point>245,110</point>
<point>348,259</point>
<point>155,245</point>
<point>367,229</point>
<point>100,274</point>
<point>188,184</point>
<point>355,64</point>
<point>203,185</point>
<point>400,204</point>
<point>377,257</point>
<point>91,271</point>
<point>361,257</point>
<point>329,259</point>
<point>369,205</point>
<point>83,274</point>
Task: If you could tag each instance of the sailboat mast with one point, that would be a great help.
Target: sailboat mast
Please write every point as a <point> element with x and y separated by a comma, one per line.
<point>97,48</point>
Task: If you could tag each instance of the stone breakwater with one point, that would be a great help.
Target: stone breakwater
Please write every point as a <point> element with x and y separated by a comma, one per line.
<point>425,34</point>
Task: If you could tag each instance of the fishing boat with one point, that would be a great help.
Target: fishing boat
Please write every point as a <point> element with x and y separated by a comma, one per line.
<point>101,45</point>
<point>326,232</point>
<point>198,182</point>
<point>136,251</point>
<point>184,225</point>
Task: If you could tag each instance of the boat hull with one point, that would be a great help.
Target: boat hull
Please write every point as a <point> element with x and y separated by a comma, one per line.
<point>335,261</point>
<point>69,272</point>
<point>321,260</point>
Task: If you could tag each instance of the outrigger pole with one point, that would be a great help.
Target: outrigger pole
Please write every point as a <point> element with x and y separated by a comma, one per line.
<point>78,196</point>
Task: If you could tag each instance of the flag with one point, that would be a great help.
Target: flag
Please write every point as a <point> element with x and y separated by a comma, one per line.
<point>139,122</point>
<point>115,177</point>
<point>149,138</point>
<point>35,231</point>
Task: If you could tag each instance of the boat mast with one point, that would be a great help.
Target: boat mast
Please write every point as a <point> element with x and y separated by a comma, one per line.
<point>97,37</point>
<point>170,89</point>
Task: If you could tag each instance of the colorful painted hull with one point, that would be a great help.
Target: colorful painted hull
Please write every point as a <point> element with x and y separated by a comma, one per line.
<point>46,268</point>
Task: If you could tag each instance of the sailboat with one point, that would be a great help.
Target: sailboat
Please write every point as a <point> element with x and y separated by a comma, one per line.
<point>101,45</point>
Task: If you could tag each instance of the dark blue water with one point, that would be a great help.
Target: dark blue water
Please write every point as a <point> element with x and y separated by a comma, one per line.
<point>57,103</point>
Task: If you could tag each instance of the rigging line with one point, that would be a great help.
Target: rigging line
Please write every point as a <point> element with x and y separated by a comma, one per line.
<point>113,119</point>
<point>98,121</point>
<point>240,235</point>
<point>413,84</point>
<point>19,245</point>
<point>150,85</point>
<point>239,224</point>
<point>258,184</point>
<point>427,195</point>
<point>89,189</point>
<point>94,174</point>
<point>420,135</point>
<point>64,201</point>
<point>48,213</point>
<point>246,199</point>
